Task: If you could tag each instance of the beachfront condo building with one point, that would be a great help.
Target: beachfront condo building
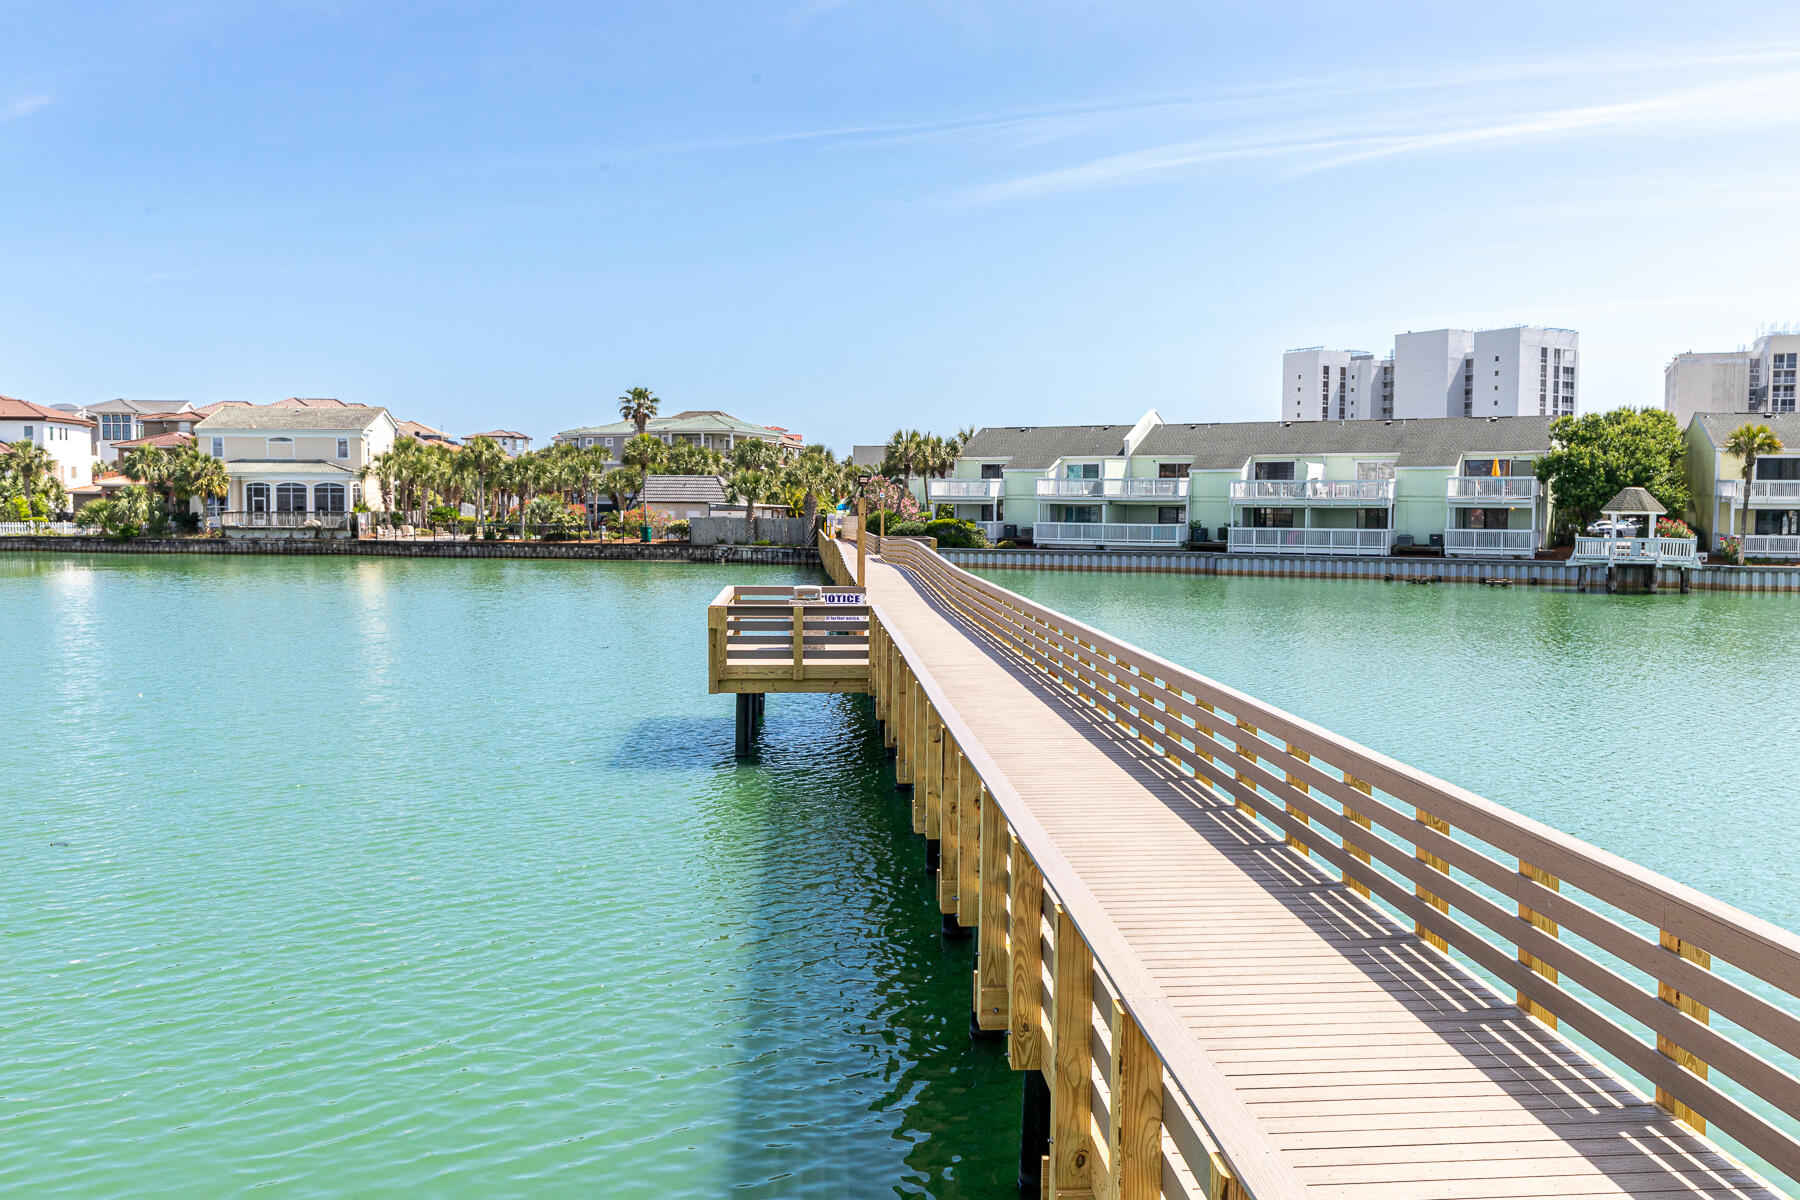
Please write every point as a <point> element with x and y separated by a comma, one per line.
<point>294,467</point>
<point>1758,380</point>
<point>1518,371</point>
<point>510,440</point>
<point>702,427</point>
<point>1716,485</point>
<point>1467,485</point>
<point>67,437</point>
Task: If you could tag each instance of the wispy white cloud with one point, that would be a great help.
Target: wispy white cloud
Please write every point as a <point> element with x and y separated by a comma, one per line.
<point>1314,130</point>
<point>24,106</point>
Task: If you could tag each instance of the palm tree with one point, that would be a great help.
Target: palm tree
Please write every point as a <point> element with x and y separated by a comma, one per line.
<point>644,452</point>
<point>637,406</point>
<point>481,459</point>
<point>754,454</point>
<point>195,473</point>
<point>905,452</point>
<point>33,466</point>
<point>1750,442</point>
<point>750,486</point>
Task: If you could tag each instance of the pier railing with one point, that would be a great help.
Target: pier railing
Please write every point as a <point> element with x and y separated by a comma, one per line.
<point>1693,997</point>
<point>788,639</point>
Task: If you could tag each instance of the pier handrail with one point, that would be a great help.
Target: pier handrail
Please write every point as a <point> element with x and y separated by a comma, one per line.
<point>1254,1160</point>
<point>1419,846</point>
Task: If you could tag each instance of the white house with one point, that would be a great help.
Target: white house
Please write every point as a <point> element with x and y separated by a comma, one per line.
<point>69,438</point>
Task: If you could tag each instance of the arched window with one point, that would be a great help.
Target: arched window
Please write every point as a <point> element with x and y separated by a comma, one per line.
<point>328,498</point>
<point>290,497</point>
<point>281,447</point>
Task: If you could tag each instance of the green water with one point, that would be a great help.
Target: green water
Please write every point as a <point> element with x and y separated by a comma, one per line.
<point>1661,728</point>
<point>388,877</point>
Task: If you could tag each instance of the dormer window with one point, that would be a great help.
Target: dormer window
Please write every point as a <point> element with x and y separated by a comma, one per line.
<point>281,447</point>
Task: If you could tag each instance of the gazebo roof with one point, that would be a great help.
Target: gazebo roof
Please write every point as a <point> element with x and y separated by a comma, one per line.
<point>1633,500</point>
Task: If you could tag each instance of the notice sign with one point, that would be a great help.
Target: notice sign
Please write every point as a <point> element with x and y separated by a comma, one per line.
<point>844,599</point>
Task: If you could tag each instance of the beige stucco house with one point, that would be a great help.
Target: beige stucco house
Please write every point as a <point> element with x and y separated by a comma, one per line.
<point>295,467</point>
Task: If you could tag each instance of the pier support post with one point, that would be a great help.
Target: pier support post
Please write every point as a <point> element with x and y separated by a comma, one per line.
<point>1686,581</point>
<point>1034,1133</point>
<point>1674,997</point>
<point>746,721</point>
<point>992,969</point>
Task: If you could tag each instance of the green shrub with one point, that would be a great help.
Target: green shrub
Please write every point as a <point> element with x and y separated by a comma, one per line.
<point>1007,544</point>
<point>465,525</point>
<point>951,532</point>
<point>679,529</point>
<point>442,514</point>
<point>906,529</point>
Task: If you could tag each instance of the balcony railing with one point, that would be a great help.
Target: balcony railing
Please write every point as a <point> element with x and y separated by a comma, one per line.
<point>1519,542</point>
<point>1113,489</point>
<point>1652,551</point>
<point>279,520</point>
<point>1313,491</point>
<point>965,489</point>
<point>1762,491</point>
<point>1107,533</point>
<point>1489,489</point>
<point>1771,545</point>
<point>1244,540</point>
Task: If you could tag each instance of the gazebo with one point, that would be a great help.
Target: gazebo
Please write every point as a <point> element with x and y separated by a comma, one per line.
<point>1618,549</point>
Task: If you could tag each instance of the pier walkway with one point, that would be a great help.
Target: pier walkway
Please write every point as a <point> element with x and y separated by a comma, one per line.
<point>1248,958</point>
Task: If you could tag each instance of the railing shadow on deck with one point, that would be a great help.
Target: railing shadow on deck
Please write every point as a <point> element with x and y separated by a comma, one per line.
<point>1509,1044</point>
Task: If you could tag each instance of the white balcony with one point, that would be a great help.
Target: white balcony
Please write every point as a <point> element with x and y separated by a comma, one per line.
<point>1773,493</point>
<point>1244,540</point>
<point>1489,489</point>
<point>1108,533</point>
<point>1771,545</point>
<point>1362,492</point>
<point>1491,543</point>
<point>1729,489</point>
<point>1126,490</point>
<point>951,490</point>
<point>1651,552</point>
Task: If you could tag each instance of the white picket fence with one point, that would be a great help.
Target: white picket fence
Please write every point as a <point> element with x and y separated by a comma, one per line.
<point>37,528</point>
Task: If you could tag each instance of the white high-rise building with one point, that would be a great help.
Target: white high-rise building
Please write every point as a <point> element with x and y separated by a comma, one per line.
<point>1758,380</point>
<point>1521,371</point>
<point>1335,385</point>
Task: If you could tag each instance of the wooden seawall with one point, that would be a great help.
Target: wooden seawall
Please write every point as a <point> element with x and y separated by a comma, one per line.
<point>1235,955</point>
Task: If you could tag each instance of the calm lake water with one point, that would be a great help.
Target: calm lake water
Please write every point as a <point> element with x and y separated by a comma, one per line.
<point>374,877</point>
<point>384,877</point>
<point>1661,728</point>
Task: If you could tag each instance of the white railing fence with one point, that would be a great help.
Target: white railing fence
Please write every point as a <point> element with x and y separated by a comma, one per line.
<point>1053,533</point>
<point>1309,541</point>
<point>1342,491</point>
<point>1771,545</point>
<point>965,489</point>
<point>1114,489</point>
<point>1490,541</point>
<point>1502,488</point>
<point>1636,550</point>
<point>38,528</point>
<point>1774,489</point>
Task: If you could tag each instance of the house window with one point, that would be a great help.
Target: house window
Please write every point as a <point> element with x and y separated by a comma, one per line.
<point>115,427</point>
<point>1778,468</point>
<point>1776,521</point>
<point>218,447</point>
<point>281,447</point>
<point>328,498</point>
<point>1275,470</point>
<point>991,471</point>
<point>1272,518</point>
<point>1170,514</point>
<point>290,497</point>
<point>1371,518</point>
<point>256,497</point>
<point>28,433</point>
<point>343,447</point>
<point>1481,518</point>
<point>355,494</point>
<point>1081,470</point>
<point>1374,470</point>
<point>1081,514</point>
<point>1174,470</point>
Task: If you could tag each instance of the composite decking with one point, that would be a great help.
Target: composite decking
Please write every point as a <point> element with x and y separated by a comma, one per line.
<point>1376,1065</point>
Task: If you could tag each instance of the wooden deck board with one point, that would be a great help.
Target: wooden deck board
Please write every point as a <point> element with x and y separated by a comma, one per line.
<point>1378,1066</point>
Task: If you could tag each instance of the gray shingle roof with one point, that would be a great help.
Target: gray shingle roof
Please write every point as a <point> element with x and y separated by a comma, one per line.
<point>281,417</point>
<point>684,489</point>
<point>1719,426</point>
<point>1634,500</point>
<point>868,456</point>
<point>1035,447</point>
<point>1428,442</point>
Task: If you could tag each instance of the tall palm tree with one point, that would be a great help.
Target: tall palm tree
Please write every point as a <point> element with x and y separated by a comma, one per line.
<point>196,473</point>
<point>637,406</point>
<point>33,466</point>
<point>644,452</point>
<point>1751,442</point>
<point>481,459</point>
<point>750,486</point>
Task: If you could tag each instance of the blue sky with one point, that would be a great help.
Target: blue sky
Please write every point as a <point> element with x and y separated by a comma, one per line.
<point>843,217</point>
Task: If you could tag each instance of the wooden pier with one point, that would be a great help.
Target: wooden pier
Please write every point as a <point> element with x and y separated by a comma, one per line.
<point>1236,955</point>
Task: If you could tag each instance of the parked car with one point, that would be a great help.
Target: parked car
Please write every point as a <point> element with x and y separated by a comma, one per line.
<point>1605,528</point>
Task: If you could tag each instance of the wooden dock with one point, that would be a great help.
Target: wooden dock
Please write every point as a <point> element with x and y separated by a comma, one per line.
<point>1236,955</point>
